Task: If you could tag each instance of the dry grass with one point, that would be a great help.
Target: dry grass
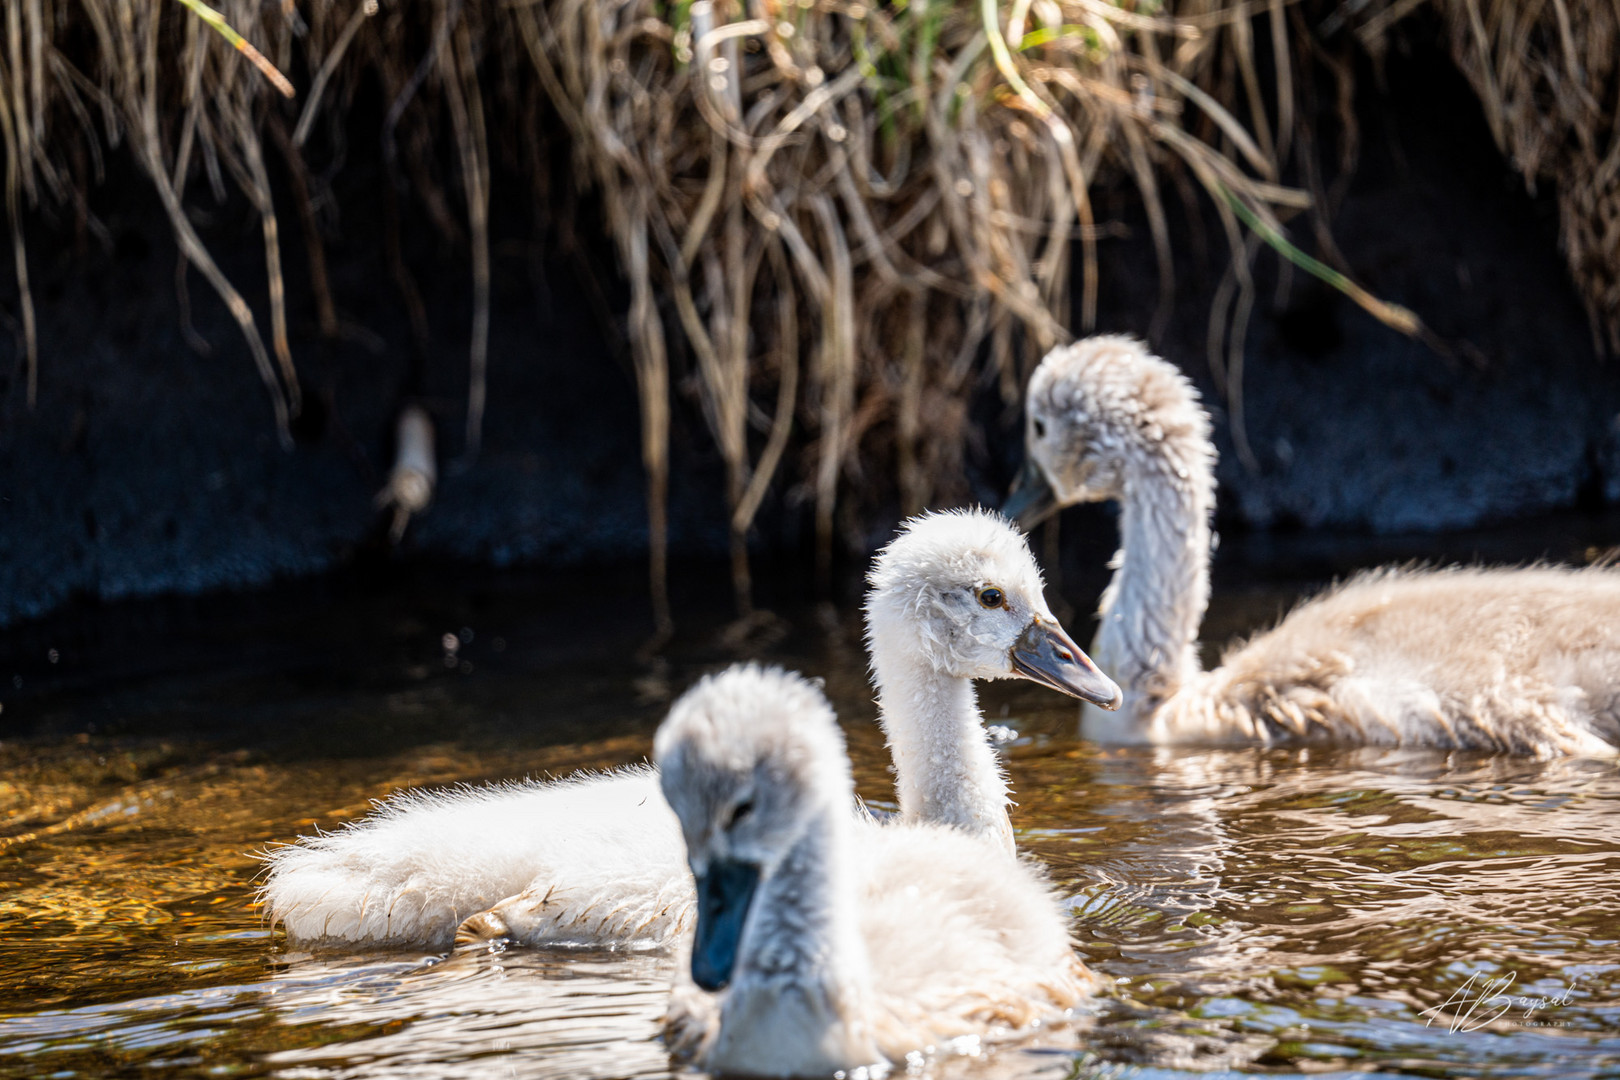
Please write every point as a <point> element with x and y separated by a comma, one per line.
<point>850,215</point>
<point>867,209</point>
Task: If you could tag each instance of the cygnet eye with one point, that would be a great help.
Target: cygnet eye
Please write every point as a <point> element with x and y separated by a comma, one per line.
<point>740,811</point>
<point>992,597</point>
<point>1040,428</point>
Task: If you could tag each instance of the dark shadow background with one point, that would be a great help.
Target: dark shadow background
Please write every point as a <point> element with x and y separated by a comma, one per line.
<point>147,469</point>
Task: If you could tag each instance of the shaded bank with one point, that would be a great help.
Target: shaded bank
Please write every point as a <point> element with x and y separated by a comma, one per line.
<point>146,467</point>
<point>1351,426</point>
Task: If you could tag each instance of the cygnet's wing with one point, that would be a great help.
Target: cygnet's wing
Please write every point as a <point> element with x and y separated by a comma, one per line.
<point>963,938</point>
<point>1519,660</point>
<point>422,862</point>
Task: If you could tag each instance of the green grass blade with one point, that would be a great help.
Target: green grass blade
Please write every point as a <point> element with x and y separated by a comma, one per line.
<point>217,23</point>
<point>1392,315</point>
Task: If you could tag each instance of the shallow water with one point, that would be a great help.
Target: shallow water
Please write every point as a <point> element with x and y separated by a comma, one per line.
<point>1268,912</point>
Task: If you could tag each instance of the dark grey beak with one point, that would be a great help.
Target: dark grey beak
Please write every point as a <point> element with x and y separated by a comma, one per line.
<point>1031,500</point>
<point>724,895</point>
<point>1047,655</point>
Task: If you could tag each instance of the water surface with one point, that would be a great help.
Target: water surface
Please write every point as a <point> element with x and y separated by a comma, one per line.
<point>1283,912</point>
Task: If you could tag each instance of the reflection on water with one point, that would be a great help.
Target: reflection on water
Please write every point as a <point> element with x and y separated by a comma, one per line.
<point>469,1015</point>
<point>1275,912</point>
<point>1334,903</point>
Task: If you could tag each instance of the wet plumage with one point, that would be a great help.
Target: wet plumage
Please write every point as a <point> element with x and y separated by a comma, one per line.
<point>1524,661</point>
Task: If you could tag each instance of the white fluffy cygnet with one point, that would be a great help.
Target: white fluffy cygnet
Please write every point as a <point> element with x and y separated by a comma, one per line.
<point>596,858</point>
<point>1523,661</point>
<point>825,942</point>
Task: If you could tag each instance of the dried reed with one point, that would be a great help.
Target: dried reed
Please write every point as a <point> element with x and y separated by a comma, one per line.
<point>852,213</point>
<point>866,205</point>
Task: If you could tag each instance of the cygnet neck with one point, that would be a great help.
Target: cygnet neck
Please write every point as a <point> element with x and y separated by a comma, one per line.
<point>1151,611</point>
<point>802,985</point>
<point>945,769</point>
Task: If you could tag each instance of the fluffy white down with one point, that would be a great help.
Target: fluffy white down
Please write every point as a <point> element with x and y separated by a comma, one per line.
<point>1524,661</point>
<point>960,947</point>
<point>596,858</point>
<point>602,851</point>
<point>863,939</point>
<point>991,947</point>
<point>920,581</point>
<point>929,639</point>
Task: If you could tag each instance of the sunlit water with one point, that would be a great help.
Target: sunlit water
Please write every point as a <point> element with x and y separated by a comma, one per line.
<point>1269,912</point>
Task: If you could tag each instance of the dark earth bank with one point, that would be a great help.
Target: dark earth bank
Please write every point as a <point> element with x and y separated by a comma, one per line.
<point>148,467</point>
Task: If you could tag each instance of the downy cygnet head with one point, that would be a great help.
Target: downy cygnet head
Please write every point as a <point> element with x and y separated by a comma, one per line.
<point>1095,411</point>
<point>749,759</point>
<point>960,591</point>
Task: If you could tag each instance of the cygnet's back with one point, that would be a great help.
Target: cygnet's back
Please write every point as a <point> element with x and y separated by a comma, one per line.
<point>1523,660</point>
<point>958,942</point>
